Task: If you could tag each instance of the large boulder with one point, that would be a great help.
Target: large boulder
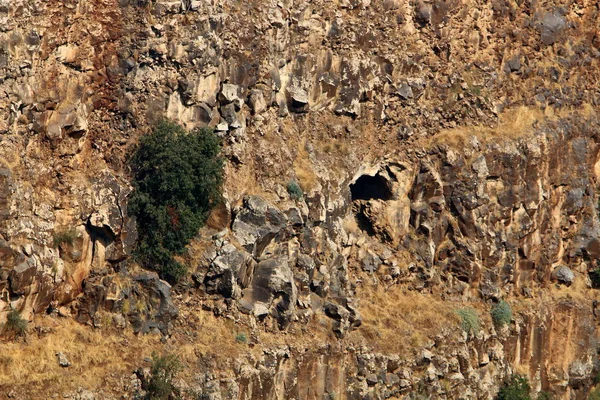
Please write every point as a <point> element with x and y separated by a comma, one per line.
<point>229,272</point>
<point>257,223</point>
<point>145,301</point>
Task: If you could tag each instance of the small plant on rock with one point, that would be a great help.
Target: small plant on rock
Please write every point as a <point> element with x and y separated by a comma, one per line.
<point>543,395</point>
<point>241,338</point>
<point>594,394</point>
<point>469,321</point>
<point>501,313</point>
<point>66,237</point>
<point>16,323</point>
<point>294,190</point>
<point>162,373</point>
<point>515,388</point>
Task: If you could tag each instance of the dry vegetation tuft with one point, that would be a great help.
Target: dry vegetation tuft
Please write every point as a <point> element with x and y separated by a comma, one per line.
<point>398,321</point>
<point>304,169</point>
<point>92,353</point>
<point>513,123</point>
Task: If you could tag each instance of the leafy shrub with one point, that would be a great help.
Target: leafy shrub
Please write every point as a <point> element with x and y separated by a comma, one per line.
<point>501,313</point>
<point>515,388</point>
<point>64,237</point>
<point>162,373</point>
<point>241,338</point>
<point>294,190</point>
<point>177,180</point>
<point>15,323</point>
<point>469,321</point>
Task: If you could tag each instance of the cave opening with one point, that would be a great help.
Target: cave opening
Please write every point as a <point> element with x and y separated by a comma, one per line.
<point>371,188</point>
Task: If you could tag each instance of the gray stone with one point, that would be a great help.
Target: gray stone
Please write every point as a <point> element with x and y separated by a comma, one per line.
<point>405,92</point>
<point>391,379</point>
<point>552,26</point>
<point>257,223</point>
<point>63,361</point>
<point>426,356</point>
<point>513,64</point>
<point>372,379</point>
<point>231,94</point>
<point>563,274</point>
<point>257,101</point>
<point>298,95</point>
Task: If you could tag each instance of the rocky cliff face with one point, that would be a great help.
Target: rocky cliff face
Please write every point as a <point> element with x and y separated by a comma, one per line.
<point>448,156</point>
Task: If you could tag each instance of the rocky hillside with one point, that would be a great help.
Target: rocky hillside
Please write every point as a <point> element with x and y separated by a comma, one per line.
<point>395,171</point>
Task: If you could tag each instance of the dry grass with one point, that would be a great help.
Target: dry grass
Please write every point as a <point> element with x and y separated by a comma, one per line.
<point>578,291</point>
<point>93,354</point>
<point>513,123</point>
<point>304,169</point>
<point>215,337</point>
<point>398,321</point>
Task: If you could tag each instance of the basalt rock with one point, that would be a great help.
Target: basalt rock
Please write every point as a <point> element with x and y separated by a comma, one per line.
<point>447,148</point>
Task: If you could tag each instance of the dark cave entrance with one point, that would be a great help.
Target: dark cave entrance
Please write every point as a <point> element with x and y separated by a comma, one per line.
<point>371,188</point>
<point>366,189</point>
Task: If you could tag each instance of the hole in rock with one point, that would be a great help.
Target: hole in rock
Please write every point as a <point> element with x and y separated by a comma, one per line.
<point>371,187</point>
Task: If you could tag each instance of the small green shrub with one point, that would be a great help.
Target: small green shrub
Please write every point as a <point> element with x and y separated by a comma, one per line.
<point>594,394</point>
<point>162,373</point>
<point>515,388</point>
<point>177,179</point>
<point>15,323</point>
<point>64,237</point>
<point>543,395</point>
<point>501,313</point>
<point>469,321</point>
<point>294,190</point>
<point>241,338</point>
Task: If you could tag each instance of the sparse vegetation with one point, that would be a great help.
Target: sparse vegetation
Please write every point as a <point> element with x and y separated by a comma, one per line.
<point>241,338</point>
<point>594,394</point>
<point>15,323</point>
<point>501,313</point>
<point>395,320</point>
<point>294,190</point>
<point>162,373</point>
<point>64,237</point>
<point>543,395</point>
<point>469,321</point>
<point>177,181</point>
<point>515,388</point>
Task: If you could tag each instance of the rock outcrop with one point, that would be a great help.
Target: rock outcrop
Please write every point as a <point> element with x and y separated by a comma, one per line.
<point>444,150</point>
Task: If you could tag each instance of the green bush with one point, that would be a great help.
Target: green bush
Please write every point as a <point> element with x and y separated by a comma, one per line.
<point>64,237</point>
<point>501,313</point>
<point>15,323</point>
<point>241,338</point>
<point>515,388</point>
<point>294,190</point>
<point>469,321</point>
<point>162,373</point>
<point>177,179</point>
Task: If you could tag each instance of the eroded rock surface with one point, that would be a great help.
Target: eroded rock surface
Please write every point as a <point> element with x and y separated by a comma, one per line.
<point>444,148</point>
